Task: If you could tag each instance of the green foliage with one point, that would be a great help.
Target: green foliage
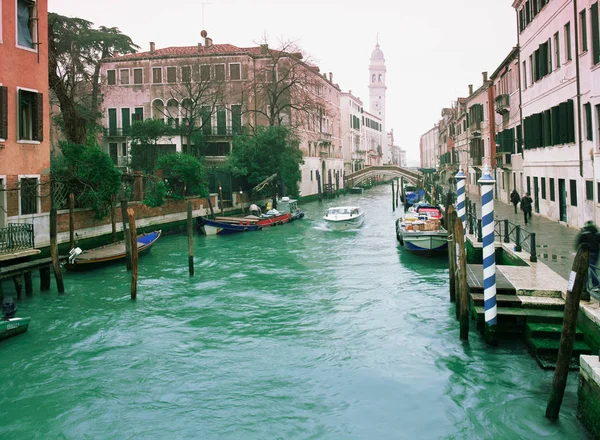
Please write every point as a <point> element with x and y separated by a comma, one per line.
<point>90,174</point>
<point>145,148</point>
<point>155,193</point>
<point>271,150</point>
<point>183,174</point>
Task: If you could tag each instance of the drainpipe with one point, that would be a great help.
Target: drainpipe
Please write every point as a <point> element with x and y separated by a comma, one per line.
<point>492,128</point>
<point>520,100</point>
<point>580,142</point>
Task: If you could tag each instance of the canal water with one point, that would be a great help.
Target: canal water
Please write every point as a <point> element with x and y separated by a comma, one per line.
<point>293,332</point>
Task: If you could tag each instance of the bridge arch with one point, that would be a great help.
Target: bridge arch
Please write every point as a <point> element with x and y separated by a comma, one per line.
<point>410,175</point>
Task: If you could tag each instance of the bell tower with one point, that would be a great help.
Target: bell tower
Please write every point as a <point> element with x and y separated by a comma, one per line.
<point>377,87</point>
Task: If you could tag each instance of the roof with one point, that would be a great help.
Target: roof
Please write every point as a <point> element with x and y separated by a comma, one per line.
<point>188,51</point>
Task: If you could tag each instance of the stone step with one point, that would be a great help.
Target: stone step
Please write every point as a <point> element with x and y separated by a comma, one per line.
<point>549,347</point>
<point>501,300</point>
<point>548,331</point>
<point>504,313</point>
<point>542,302</point>
<point>544,316</point>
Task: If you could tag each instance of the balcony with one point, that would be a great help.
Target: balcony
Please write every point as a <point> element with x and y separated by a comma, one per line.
<point>475,130</point>
<point>114,132</point>
<point>16,237</point>
<point>477,161</point>
<point>502,104</point>
<point>324,138</point>
<point>223,131</point>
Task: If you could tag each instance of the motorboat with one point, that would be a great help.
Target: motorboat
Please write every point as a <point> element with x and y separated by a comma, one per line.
<point>344,217</point>
<point>420,231</point>
<point>9,324</point>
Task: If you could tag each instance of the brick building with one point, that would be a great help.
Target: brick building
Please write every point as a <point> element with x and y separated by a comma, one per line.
<point>24,120</point>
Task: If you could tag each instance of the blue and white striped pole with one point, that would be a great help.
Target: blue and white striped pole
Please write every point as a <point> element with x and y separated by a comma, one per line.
<point>489,263</point>
<point>461,198</point>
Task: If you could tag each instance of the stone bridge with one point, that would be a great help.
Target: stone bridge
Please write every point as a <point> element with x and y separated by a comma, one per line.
<point>410,175</point>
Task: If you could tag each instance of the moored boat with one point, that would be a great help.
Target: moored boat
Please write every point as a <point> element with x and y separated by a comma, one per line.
<point>344,217</point>
<point>227,225</point>
<point>90,259</point>
<point>421,231</point>
<point>9,324</point>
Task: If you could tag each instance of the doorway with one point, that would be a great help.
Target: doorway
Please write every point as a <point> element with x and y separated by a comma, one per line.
<point>562,200</point>
<point>536,198</point>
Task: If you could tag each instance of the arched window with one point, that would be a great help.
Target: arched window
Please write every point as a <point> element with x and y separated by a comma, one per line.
<point>158,109</point>
<point>380,77</point>
<point>172,112</point>
<point>373,77</point>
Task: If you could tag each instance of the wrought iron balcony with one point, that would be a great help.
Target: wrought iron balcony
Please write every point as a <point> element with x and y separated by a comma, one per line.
<point>325,137</point>
<point>115,132</point>
<point>16,237</point>
<point>503,103</point>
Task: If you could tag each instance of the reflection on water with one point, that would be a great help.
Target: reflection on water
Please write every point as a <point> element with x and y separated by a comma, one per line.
<point>289,332</point>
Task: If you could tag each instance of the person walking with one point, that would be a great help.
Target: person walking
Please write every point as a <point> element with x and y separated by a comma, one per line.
<point>526,203</point>
<point>515,198</point>
<point>590,235</point>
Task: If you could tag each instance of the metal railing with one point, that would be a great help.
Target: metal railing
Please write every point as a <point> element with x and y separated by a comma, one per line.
<point>16,236</point>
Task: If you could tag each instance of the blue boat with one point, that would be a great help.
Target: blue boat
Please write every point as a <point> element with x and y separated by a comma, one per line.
<point>227,225</point>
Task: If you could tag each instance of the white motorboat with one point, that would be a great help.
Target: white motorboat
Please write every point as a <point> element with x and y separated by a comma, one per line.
<point>344,217</point>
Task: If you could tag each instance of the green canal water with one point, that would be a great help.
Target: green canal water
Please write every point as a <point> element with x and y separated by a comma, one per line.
<point>294,332</point>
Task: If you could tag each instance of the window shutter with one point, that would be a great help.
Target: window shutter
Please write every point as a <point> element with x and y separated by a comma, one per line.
<point>3,112</point>
<point>570,121</point>
<point>595,34</point>
<point>38,118</point>
<point>562,128</point>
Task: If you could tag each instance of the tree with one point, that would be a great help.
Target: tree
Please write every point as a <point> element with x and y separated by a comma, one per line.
<point>75,49</point>
<point>183,174</point>
<point>145,137</point>
<point>271,150</point>
<point>89,173</point>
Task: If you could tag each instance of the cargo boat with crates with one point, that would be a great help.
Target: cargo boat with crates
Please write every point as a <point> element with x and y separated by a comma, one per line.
<point>420,231</point>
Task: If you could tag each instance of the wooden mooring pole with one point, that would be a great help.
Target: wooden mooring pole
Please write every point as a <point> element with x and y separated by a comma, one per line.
<point>221,198</point>
<point>462,289</point>
<point>71,220</point>
<point>190,235</point>
<point>126,234</point>
<point>567,338</point>
<point>393,200</point>
<point>451,253</point>
<point>113,217</point>
<point>54,249</point>
<point>134,253</point>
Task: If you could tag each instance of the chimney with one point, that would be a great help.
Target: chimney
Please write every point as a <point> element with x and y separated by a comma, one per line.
<point>152,47</point>
<point>208,42</point>
<point>199,47</point>
<point>330,77</point>
<point>484,77</point>
<point>470,89</point>
<point>264,49</point>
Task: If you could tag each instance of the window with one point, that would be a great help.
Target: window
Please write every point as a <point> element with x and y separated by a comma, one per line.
<point>531,70</point>
<point>138,114</point>
<point>138,75</point>
<point>111,77</point>
<point>26,24</point>
<point>235,72</point>
<point>543,188</point>
<point>171,74</point>
<point>220,72</point>
<point>31,116</point>
<point>552,197</point>
<point>3,113</point>
<point>573,191</point>
<point>125,119</point>
<point>589,130</point>
<point>598,191</point>
<point>236,119</point>
<point>186,74</point>
<point>524,75</point>
<point>29,195</point>
<point>557,49</point>
<point>205,73</point>
<point>157,75</point>
<point>311,171</point>
<point>112,121</point>
<point>595,34</point>
<point>124,77</point>
<point>568,41</point>
<point>598,119</point>
<point>583,31</point>
<point>589,190</point>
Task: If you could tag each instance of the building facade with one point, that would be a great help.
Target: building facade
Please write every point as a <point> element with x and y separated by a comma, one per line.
<point>354,152</point>
<point>220,91</point>
<point>559,65</point>
<point>429,148</point>
<point>24,121</point>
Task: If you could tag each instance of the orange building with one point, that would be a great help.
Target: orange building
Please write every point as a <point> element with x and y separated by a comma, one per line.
<point>24,117</point>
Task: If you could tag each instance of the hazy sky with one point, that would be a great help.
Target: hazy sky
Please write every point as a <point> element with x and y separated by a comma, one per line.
<point>433,48</point>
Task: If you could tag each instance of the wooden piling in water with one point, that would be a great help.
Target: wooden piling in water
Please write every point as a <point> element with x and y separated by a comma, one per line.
<point>134,253</point>
<point>462,289</point>
<point>190,235</point>
<point>221,198</point>
<point>28,283</point>
<point>44,278</point>
<point>54,248</point>
<point>567,338</point>
<point>393,201</point>
<point>113,217</point>
<point>126,234</point>
<point>18,282</point>
<point>71,220</point>
<point>451,252</point>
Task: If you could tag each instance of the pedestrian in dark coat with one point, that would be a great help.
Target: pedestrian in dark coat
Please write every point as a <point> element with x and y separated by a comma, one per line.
<point>526,203</point>
<point>515,198</point>
<point>590,235</point>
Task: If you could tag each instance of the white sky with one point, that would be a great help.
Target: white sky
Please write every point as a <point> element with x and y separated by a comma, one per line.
<point>433,48</point>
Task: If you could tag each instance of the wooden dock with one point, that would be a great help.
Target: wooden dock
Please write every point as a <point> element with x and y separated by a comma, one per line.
<point>23,272</point>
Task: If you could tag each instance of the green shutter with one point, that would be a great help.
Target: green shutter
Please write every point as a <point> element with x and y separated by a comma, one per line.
<point>221,121</point>
<point>112,121</point>
<point>570,121</point>
<point>588,121</point>
<point>562,125</point>
<point>555,140</point>
<point>595,34</point>
<point>3,112</point>
<point>125,119</point>
<point>236,119</point>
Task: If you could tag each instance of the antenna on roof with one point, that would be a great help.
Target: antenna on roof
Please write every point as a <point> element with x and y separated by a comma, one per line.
<point>204,3</point>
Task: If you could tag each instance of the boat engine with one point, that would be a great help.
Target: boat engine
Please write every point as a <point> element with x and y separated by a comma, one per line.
<point>9,308</point>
